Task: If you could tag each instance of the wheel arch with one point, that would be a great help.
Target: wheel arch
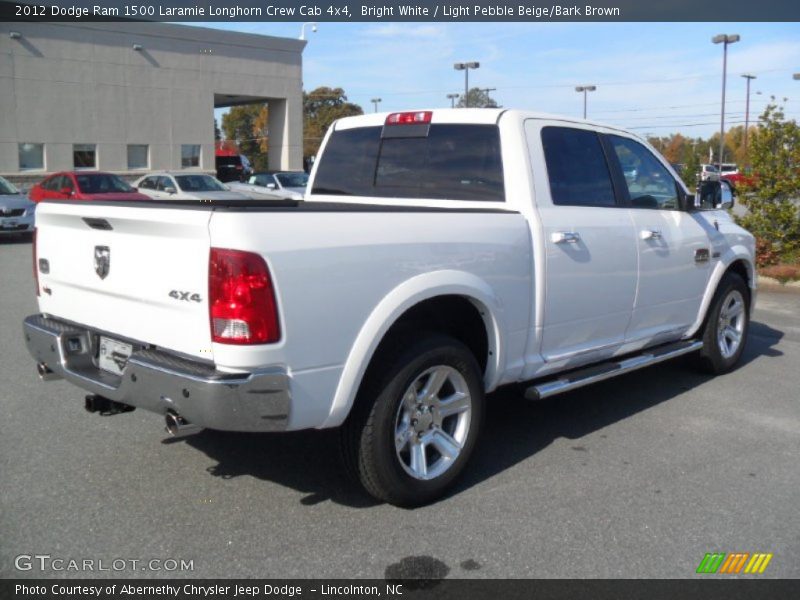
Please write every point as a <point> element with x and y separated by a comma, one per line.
<point>736,260</point>
<point>420,300</point>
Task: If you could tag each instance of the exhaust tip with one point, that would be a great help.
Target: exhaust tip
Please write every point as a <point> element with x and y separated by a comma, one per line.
<point>177,426</point>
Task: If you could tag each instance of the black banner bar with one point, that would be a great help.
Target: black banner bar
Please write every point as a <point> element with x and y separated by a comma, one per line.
<point>395,11</point>
<point>704,587</point>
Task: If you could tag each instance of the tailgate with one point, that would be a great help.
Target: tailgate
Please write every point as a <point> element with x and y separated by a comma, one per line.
<point>136,272</point>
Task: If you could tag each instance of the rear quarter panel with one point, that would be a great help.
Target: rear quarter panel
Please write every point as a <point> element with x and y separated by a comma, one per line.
<point>342,278</point>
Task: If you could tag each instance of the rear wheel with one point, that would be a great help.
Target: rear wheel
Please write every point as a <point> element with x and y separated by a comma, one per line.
<point>726,328</point>
<point>416,421</point>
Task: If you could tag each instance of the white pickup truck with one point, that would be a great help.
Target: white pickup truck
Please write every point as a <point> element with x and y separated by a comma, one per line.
<point>437,256</point>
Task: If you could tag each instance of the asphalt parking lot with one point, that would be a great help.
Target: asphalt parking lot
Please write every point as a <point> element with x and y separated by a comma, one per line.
<point>634,477</point>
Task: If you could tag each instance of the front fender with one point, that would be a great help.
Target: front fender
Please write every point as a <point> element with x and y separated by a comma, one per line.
<point>730,256</point>
<point>403,297</point>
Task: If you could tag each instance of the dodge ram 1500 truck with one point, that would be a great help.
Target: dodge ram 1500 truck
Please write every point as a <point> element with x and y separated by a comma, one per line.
<point>436,256</point>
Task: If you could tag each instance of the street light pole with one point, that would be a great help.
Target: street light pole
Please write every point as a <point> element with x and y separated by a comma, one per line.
<point>748,77</point>
<point>303,29</point>
<point>466,67</point>
<point>585,89</point>
<point>376,101</point>
<point>723,39</point>
<point>452,98</point>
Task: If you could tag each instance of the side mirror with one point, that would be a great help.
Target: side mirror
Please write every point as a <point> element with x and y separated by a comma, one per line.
<point>66,191</point>
<point>170,190</point>
<point>726,195</point>
<point>714,195</point>
<point>271,186</point>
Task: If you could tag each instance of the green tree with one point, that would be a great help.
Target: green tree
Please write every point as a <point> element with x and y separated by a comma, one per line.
<point>478,98</point>
<point>243,126</point>
<point>217,132</point>
<point>771,194</point>
<point>321,107</point>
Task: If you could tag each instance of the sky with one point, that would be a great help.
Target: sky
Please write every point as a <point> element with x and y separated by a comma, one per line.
<point>652,78</point>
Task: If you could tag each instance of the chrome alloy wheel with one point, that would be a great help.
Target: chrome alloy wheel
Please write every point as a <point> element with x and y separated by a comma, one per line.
<point>730,328</point>
<point>433,422</point>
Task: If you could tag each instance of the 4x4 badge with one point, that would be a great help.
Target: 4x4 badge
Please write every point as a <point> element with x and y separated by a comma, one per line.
<point>102,261</point>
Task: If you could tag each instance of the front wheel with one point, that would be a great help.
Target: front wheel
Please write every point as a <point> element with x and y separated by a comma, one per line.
<point>726,328</point>
<point>416,421</point>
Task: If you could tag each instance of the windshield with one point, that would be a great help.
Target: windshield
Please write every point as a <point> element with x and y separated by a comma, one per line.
<point>292,179</point>
<point>199,183</point>
<point>7,188</point>
<point>102,183</point>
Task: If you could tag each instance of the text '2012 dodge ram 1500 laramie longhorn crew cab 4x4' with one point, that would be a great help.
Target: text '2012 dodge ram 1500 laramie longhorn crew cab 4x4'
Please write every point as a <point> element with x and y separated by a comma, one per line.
<point>437,256</point>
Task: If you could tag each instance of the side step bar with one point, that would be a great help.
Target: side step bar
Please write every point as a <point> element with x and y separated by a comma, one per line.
<point>607,370</point>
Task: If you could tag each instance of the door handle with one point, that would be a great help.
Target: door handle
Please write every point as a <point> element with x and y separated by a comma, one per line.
<point>650,234</point>
<point>565,237</point>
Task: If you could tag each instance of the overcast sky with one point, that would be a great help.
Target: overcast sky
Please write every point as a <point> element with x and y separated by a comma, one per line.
<point>655,78</point>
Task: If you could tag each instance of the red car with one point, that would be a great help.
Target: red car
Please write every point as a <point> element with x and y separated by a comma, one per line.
<point>83,185</point>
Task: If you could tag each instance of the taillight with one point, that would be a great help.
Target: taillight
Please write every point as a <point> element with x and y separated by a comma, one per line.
<point>421,117</point>
<point>35,262</point>
<point>242,307</point>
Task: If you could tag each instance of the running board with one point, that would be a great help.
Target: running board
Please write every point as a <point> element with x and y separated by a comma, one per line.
<point>607,370</point>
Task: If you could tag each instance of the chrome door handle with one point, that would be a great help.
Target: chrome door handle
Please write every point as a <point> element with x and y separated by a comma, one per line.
<point>565,237</point>
<point>650,234</point>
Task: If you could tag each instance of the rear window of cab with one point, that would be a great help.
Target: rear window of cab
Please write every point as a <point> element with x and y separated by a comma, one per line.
<point>451,162</point>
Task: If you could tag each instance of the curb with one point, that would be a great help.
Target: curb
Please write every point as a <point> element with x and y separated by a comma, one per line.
<point>768,283</point>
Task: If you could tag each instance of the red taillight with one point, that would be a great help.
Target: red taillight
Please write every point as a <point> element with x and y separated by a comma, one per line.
<point>242,307</point>
<point>422,117</point>
<point>35,262</point>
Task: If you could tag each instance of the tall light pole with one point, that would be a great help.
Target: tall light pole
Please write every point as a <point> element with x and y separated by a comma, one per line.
<point>452,98</point>
<point>723,39</point>
<point>748,77</point>
<point>303,29</point>
<point>376,101</point>
<point>466,66</point>
<point>585,89</point>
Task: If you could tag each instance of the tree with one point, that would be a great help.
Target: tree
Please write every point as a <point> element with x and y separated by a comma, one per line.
<point>478,98</point>
<point>770,194</point>
<point>674,149</point>
<point>321,107</point>
<point>246,126</point>
<point>217,132</point>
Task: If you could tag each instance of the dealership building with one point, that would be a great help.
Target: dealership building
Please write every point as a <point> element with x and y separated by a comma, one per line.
<point>132,97</point>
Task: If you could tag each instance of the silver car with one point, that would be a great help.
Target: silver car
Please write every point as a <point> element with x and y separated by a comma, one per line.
<point>16,211</point>
<point>185,186</point>
<point>289,185</point>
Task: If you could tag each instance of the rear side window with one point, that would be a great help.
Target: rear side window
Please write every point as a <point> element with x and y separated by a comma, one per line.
<point>453,162</point>
<point>577,168</point>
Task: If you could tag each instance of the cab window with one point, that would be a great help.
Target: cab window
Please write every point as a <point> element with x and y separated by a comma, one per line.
<point>577,167</point>
<point>649,183</point>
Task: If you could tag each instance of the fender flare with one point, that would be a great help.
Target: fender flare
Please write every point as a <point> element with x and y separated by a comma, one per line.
<point>731,255</point>
<point>392,306</point>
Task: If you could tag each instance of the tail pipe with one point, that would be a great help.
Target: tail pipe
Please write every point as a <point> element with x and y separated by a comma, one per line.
<point>45,374</point>
<point>177,426</point>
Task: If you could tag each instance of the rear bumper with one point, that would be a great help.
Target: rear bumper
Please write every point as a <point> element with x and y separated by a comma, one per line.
<point>162,383</point>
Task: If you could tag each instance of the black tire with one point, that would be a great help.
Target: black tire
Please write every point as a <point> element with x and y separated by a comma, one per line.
<point>371,432</point>
<point>714,358</point>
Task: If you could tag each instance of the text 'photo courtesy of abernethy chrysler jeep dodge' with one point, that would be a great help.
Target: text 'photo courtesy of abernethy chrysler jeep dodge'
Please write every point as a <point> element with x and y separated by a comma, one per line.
<point>437,256</point>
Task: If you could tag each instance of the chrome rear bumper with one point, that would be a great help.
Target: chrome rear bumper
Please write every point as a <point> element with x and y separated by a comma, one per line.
<point>163,383</point>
